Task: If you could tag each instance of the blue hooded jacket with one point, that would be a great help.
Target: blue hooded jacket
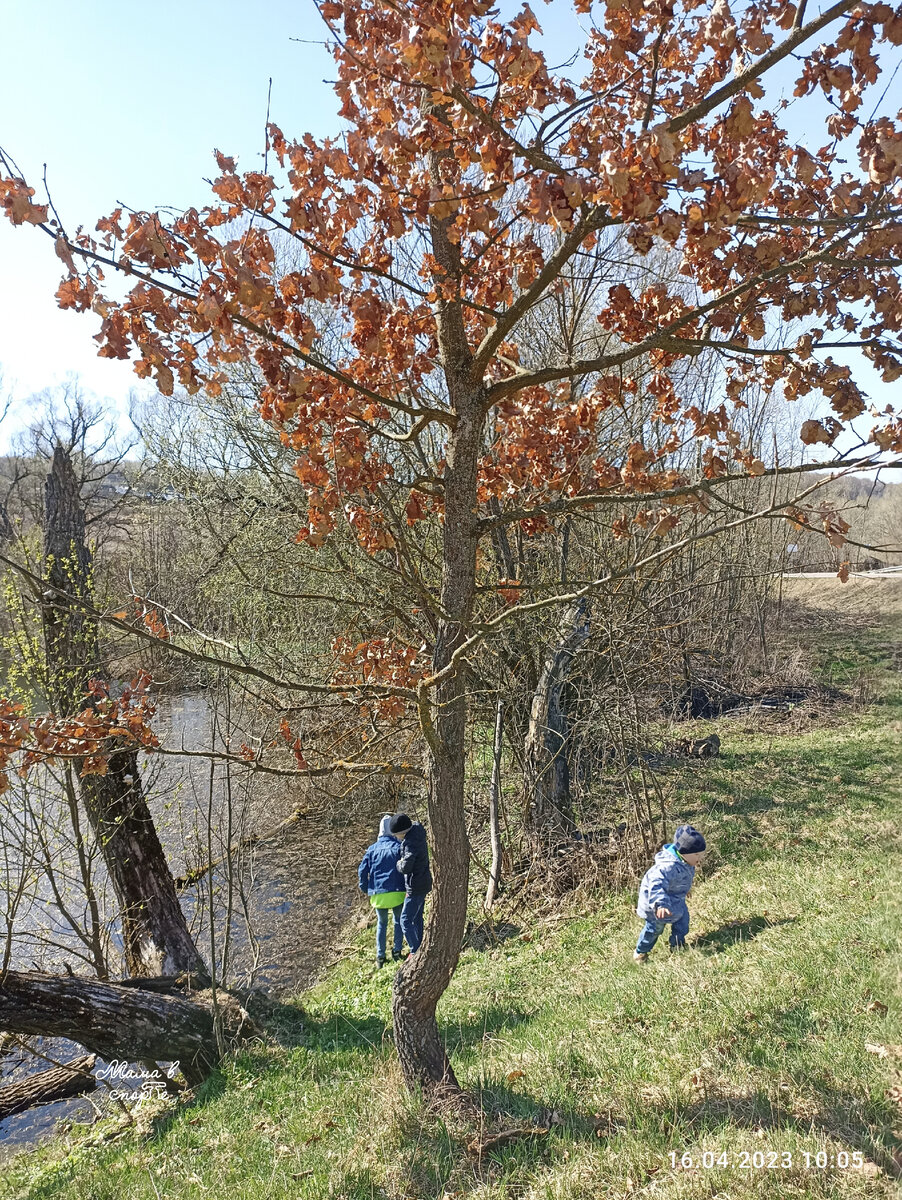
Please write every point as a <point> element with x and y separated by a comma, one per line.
<point>378,871</point>
<point>665,885</point>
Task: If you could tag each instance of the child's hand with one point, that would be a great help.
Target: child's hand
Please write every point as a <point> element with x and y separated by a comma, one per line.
<point>662,912</point>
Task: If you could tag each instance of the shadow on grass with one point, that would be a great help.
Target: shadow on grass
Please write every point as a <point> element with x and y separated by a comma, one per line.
<point>718,940</point>
<point>211,1089</point>
<point>509,1136</point>
<point>284,1022</point>
<point>336,1033</point>
<point>766,812</point>
<point>333,1034</point>
<point>490,1022</point>
<point>290,1027</point>
<point>503,1106</point>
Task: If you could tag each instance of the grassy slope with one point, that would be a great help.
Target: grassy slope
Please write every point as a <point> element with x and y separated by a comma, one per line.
<point>753,1040</point>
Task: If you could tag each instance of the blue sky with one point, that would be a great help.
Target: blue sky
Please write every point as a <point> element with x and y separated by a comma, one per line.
<point>125,102</point>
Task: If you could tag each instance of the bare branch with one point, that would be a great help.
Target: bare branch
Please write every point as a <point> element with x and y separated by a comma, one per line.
<point>590,221</point>
<point>592,500</point>
<point>661,337</point>
<point>506,617</point>
<point>756,70</point>
<point>349,690</point>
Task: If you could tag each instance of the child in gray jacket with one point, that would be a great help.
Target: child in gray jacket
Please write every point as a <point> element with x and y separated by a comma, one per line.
<point>664,888</point>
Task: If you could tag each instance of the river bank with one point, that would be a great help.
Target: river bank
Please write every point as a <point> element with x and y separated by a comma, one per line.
<point>283,900</point>
<point>774,1038</point>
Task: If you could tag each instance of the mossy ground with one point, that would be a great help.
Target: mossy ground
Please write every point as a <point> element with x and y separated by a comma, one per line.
<point>777,1032</point>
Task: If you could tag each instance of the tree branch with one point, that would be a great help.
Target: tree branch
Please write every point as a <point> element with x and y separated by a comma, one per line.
<point>252,327</point>
<point>598,499</point>
<point>349,766</point>
<point>589,222</point>
<point>508,615</point>
<point>659,339</point>
<point>533,155</point>
<point>765,62</point>
<point>77,603</point>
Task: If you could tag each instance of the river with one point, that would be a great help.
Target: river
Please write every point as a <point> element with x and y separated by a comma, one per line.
<point>291,894</point>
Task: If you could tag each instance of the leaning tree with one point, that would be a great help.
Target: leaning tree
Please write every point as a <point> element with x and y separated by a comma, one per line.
<point>471,183</point>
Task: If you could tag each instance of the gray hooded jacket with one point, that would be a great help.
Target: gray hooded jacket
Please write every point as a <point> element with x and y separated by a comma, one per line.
<point>665,885</point>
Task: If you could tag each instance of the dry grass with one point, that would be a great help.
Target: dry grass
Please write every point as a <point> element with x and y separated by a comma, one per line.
<point>874,597</point>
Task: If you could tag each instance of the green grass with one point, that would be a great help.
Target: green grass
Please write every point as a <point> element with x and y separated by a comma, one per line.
<point>755,1040</point>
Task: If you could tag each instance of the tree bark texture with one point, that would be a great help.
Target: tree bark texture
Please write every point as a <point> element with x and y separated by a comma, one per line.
<point>155,934</point>
<point>549,807</point>
<point>111,1021</point>
<point>426,974</point>
<point>59,1083</point>
<point>495,809</point>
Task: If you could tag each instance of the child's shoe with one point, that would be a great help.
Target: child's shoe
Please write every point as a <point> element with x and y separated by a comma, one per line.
<point>380,963</point>
<point>639,958</point>
<point>397,955</point>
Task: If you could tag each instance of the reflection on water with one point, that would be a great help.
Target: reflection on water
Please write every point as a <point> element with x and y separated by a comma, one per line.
<point>278,903</point>
<point>289,894</point>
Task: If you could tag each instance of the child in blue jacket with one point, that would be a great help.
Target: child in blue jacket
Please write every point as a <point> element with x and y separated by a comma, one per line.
<point>664,888</point>
<point>381,880</point>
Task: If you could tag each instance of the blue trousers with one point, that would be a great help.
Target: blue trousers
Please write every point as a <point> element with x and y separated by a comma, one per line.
<point>382,930</point>
<point>412,919</point>
<point>653,930</point>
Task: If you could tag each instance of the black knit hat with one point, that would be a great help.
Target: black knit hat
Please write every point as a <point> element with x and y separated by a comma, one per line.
<point>688,840</point>
<point>399,823</point>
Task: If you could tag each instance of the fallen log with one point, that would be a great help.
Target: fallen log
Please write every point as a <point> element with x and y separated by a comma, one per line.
<point>112,1021</point>
<point>59,1083</point>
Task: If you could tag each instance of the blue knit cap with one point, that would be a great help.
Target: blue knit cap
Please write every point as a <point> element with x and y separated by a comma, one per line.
<point>688,840</point>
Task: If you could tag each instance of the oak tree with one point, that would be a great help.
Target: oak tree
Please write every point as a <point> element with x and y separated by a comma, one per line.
<point>398,360</point>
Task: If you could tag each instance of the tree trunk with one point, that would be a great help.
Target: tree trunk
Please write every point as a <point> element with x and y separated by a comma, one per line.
<point>59,1083</point>
<point>155,935</point>
<point>494,809</point>
<point>426,974</point>
<point>549,808</point>
<point>7,533</point>
<point>422,980</point>
<point>114,1022</point>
